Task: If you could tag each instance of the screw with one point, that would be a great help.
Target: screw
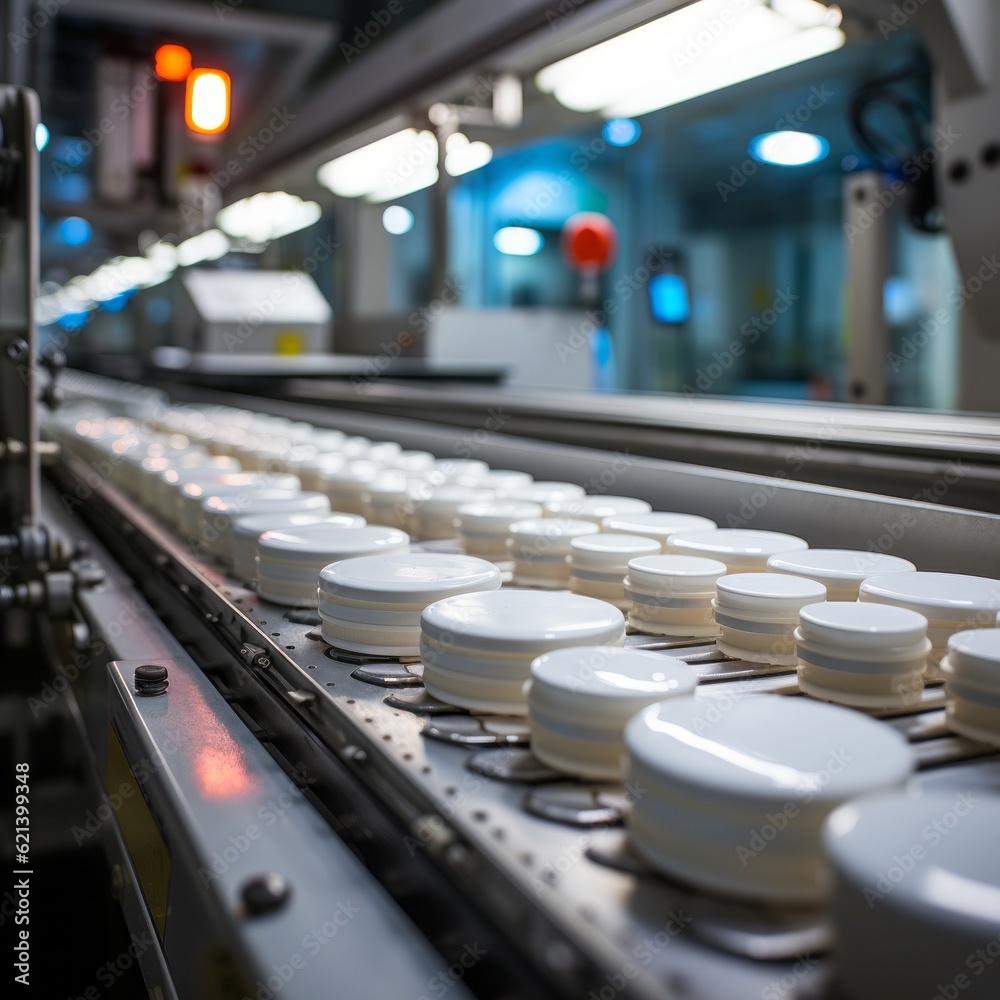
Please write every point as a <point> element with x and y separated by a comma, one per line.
<point>17,350</point>
<point>150,680</point>
<point>264,893</point>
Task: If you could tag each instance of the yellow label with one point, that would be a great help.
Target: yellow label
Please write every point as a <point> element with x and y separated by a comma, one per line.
<point>289,342</point>
<point>149,853</point>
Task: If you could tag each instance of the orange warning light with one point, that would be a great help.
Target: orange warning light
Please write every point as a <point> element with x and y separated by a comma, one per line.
<point>172,62</point>
<point>206,101</point>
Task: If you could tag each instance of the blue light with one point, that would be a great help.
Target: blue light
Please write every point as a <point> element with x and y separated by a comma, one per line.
<point>72,187</point>
<point>621,132</point>
<point>41,136</point>
<point>117,303</point>
<point>789,149</point>
<point>74,321</point>
<point>899,301</point>
<point>668,298</point>
<point>74,231</point>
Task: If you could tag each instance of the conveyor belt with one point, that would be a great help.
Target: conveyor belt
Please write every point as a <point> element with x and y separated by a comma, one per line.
<point>545,857</point>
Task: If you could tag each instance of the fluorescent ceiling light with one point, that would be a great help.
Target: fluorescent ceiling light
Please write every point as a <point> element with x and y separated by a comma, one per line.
<point>390,168</point>
<point>518,241</point>
<point>267,216</point>
<point>704,47</point>
<point>209,245</point>
<point>789,149</point>
<point>462,156</point>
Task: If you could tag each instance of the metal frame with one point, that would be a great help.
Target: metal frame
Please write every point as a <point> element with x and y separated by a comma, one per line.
<point>19,459</point>
<point>209,778</point>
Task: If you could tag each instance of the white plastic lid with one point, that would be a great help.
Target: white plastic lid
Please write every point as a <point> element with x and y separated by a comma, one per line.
<point>266,502</point>
<point>446,499</point>
<point>735,545</point>
<point>613,672</point>
<point>327,440</point>
<point>503,480</point>
<point>957,887</point>
<point>768,592</point>
<point>675,574</point>
<point>354,446</point>
<point>767,749</point>
<point>383,452</point>
<point>209,485</point>
<point>873,626</point>
<point>948,597</point>
<point>838,567</point>
<point>178,475</point>
<point>657,524</point>
<point>460,468</point>
<point>524,621</point>
<point>597,508</point>
<point>395,484</point>
<point>412,461</point>
<point>495,517</point>
<point>353,476</point>
<point>553,534</point>
<point>975,651</point>
<point>545,491</point>
<point>324,542</point>
<point>254,525</point>
<point>407,578</point>
<point>610,552</point>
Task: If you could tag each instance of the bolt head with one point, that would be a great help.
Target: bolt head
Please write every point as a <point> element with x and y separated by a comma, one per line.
<point>265,893</point>
<point>151,679</point>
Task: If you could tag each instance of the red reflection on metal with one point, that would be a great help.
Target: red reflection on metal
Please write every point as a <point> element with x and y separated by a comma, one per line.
<point>220,768</point>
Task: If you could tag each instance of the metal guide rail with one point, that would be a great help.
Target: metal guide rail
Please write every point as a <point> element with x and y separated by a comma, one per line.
<point>879,449</point>
<point>545,856</point>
